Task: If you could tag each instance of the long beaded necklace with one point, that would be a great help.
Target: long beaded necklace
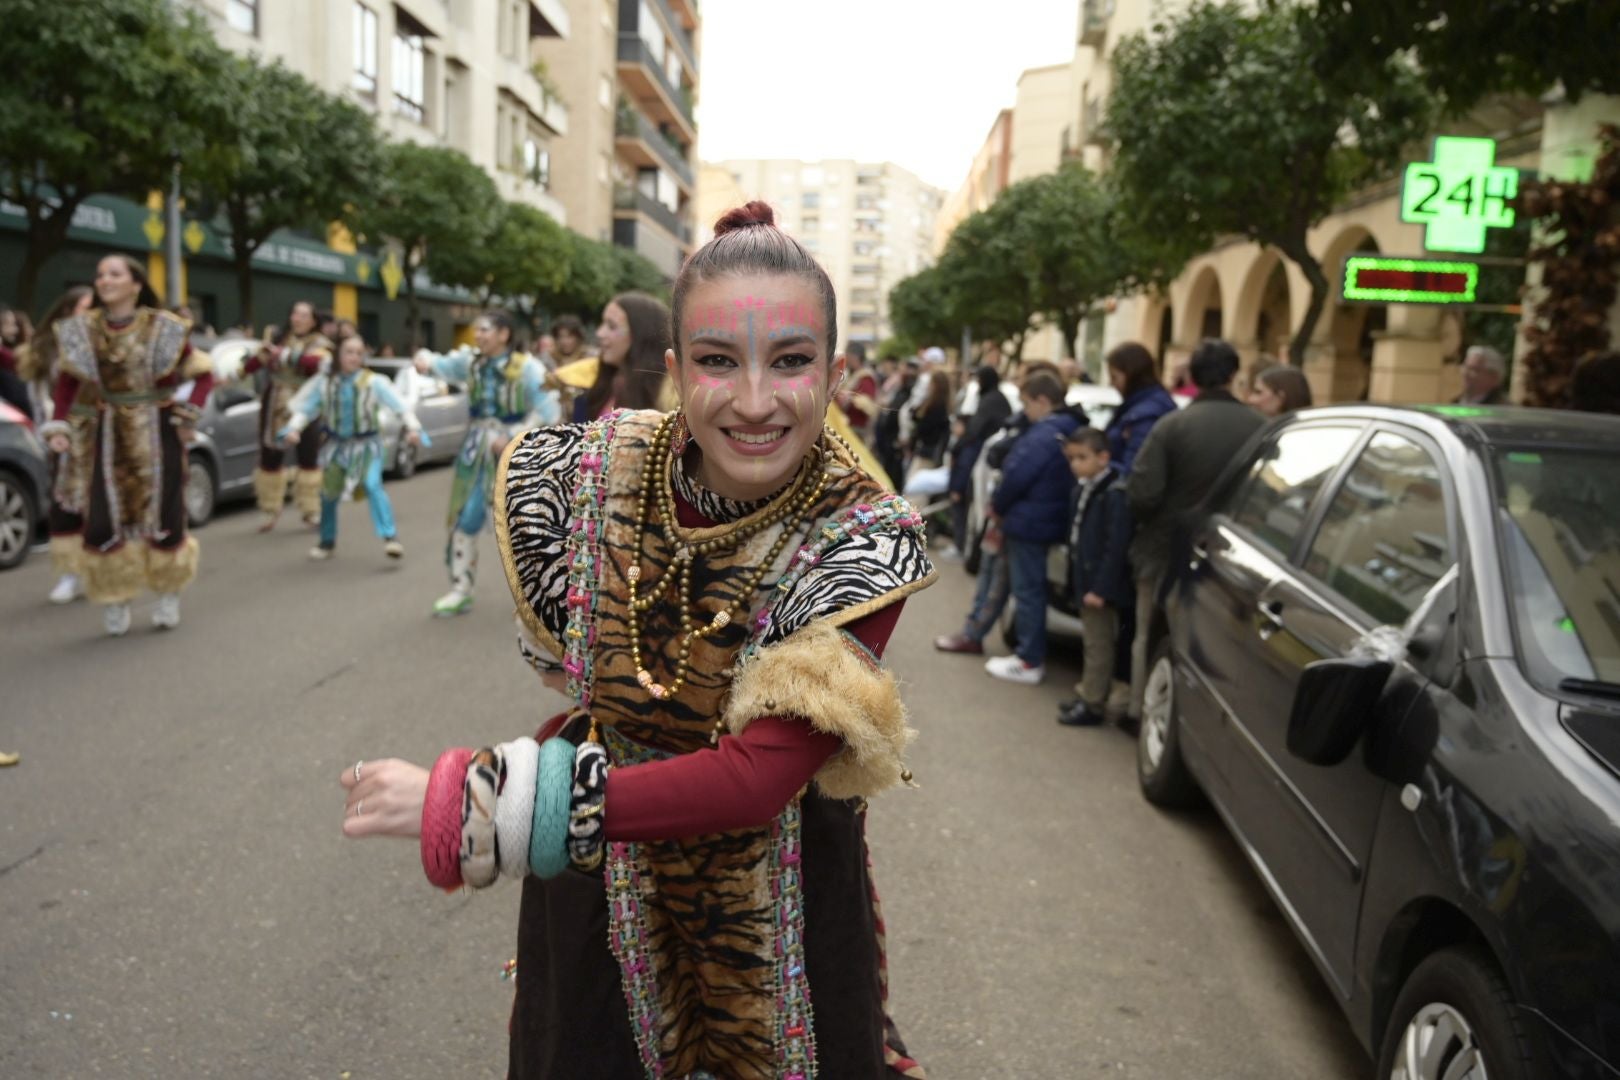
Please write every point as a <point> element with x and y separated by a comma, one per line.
<point>807,490</point>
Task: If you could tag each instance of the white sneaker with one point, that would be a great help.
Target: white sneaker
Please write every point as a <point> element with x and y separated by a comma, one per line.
<point>320,554</point>
<point>454,602</point>
<point>1015,670</point>
<point>67,589</point>
<point>167,615</point>
<point>394,549</point>
<point>115,619</point>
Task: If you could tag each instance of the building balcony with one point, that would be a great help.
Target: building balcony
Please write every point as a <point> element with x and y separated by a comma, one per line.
<point>679,32</point>
<point>630,201</point>
<point>548,19</point>
<point>646,81</point>
<point>637,233</point>
<point>643,145</point>
<point>1094,16</point>
<point>686,11</point>
<point>1091,114</point>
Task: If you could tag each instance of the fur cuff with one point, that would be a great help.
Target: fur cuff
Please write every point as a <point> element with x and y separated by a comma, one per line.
<point>116,576</point>
<point>307,492</point>
<point>825,676</point>
<point>67,553</point>
<point>54,427</point>
<point>270,489</point>
<point>170,571</point>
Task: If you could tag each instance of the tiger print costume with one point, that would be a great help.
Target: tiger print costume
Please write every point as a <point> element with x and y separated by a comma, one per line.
<point>750,954</point>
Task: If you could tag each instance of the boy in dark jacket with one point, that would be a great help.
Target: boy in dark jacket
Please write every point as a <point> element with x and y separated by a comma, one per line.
<point>1099,535</point>
<point>1032,506</point>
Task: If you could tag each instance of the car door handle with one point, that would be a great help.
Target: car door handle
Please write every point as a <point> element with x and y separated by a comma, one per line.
<point>1271,616</point>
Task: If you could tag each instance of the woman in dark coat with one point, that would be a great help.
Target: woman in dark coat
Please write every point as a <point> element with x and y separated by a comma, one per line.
<point>1131,371</point>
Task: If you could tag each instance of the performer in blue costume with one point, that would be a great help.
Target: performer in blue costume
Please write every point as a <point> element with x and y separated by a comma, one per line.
<point>506,392</point>
<point>350,401</point>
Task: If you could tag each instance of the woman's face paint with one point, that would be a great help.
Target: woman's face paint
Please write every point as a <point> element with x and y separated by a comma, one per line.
<point>755,380</point>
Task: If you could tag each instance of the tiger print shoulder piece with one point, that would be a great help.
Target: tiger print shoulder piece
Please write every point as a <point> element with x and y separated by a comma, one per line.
<point>535,485</point>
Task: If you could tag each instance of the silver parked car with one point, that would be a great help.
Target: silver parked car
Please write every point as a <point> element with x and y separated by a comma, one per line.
<point>440,406</point>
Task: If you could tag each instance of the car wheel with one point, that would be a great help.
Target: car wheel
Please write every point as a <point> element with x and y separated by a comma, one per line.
<point>1455,1018</point>
<point>405,461</point>
<point>202,492</point>
<point>18,519</point>
<point>1160,769</point>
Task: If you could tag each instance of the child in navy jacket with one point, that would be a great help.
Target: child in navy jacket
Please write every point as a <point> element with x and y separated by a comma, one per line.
<point>1099,534</point>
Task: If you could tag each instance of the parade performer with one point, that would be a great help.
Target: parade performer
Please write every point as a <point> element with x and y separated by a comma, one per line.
<point>297,354</point>
<point>717,586</point>
<point>38,364</point>
<point>123,359</point>
<point>629,374</point>
<point>506,395</point>
<point>350,401</point>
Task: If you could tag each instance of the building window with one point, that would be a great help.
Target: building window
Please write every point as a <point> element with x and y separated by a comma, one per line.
<point>243,15</point>
<point>410,84</point>
<point>810,200</point>
<point>536,162</point>
<point>365,51</point>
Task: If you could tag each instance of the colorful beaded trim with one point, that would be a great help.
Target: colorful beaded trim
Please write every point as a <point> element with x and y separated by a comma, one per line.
<point>584,554</point>
<point>627,936</point>
<point>795,1033</point>
<point>891,511</point>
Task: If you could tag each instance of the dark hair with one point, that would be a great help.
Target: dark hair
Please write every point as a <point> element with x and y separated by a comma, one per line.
<point>1089,437</point>
<point>1595,385</point>
<point>24,328</point>
<point>856,351</point>
<point>1288,383</point>
<point>1213,365</point>
<point>570,324</point>
<point>638,382</point>
<point>1043,384</point>
<point>322,316</point>
<point>147,297</point>
<point>939,394</point>
<point>41,355</point>
<point>988,378</point>
<point>286,324</point>
<point>747,241</point>
<point>502,319</point>
<point>1132,360</point>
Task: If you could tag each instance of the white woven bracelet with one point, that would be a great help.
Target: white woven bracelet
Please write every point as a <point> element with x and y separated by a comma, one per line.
<point>514,810</point>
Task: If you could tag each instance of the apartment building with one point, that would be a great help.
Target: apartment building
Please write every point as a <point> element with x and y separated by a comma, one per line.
<point>869,224</point>
<point>456,73</point>
<point>628,173</point>
<point>987,178</point>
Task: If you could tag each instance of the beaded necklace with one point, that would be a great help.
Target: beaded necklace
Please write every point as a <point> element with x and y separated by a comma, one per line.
<point>795,505</point>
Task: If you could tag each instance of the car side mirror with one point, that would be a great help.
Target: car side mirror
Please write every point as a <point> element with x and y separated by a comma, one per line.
<point>1333,705</point>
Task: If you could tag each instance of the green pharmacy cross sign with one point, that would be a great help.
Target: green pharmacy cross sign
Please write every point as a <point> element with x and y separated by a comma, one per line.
<point>1459,194</point>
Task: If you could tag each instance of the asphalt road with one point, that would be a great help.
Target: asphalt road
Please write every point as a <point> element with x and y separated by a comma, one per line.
<point>176,899</point>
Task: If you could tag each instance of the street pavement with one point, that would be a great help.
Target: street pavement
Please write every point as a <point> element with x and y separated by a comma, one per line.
<point>177,899</point>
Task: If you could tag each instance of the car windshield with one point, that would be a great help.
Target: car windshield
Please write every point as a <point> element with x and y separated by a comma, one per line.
<point>1561,533</point>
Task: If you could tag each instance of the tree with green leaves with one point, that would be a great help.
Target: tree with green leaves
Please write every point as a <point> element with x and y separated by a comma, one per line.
<point>983,283</point>
<point>1215,137</point>
<point>283,154</point>
<point>590,282</point>
<point>437,207</point>
<point>523,259</point>
<point>99,96</point>
<point>1496,46</point>
<point>919,309</point>
<point>634,272</point>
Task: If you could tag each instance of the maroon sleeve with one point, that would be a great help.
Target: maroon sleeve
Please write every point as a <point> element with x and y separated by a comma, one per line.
<point>745,781</point>
<point>62,395</point>
<point>309,362</point>
<point>258,361</point>
<point>200,388</point>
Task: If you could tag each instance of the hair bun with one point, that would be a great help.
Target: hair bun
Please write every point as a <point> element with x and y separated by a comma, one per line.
<point>745,216</point>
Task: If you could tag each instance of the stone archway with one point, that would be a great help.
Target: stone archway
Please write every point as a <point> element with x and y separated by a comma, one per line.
<point>1155,330</point>
<point>1262,319</point>
<point>1199,316</point>
<point>1339,360</point>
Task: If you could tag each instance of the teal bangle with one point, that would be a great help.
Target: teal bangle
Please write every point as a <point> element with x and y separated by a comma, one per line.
<point>548,836</point>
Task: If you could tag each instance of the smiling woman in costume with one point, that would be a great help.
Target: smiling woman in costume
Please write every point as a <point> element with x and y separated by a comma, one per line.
<point>715,588</point>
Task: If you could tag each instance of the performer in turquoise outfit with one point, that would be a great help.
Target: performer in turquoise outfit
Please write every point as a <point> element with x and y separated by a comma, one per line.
<point>506,392</point>
<point>350,401</point>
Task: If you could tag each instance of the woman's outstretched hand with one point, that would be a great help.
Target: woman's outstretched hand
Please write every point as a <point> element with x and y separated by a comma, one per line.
<point>385,798</point>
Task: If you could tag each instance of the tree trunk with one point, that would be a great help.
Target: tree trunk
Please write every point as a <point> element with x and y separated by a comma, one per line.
<point>46,236</point>
<point>1069,321</point>
<point>1300,253</point>
<point>242,263</point>
<point>413,322</point>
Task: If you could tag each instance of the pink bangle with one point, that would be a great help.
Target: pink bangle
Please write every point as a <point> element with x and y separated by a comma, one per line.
<point>441,818</point>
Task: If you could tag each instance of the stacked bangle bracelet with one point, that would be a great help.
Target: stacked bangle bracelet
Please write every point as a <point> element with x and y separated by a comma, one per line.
<point>586,837</point>
<point>479,865</point>
<point>514,806</point>
<point>548,836</point>
<point>441,818</point>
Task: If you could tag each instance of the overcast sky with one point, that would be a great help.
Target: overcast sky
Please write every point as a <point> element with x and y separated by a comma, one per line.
<point>915,82</point>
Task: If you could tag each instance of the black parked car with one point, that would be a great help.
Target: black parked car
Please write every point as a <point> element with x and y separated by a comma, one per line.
<point>1391,659</point>
<point>24,487</point>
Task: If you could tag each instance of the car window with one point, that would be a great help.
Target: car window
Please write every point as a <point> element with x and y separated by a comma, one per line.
<point>1273,502</point>
<point>1384,541</point>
